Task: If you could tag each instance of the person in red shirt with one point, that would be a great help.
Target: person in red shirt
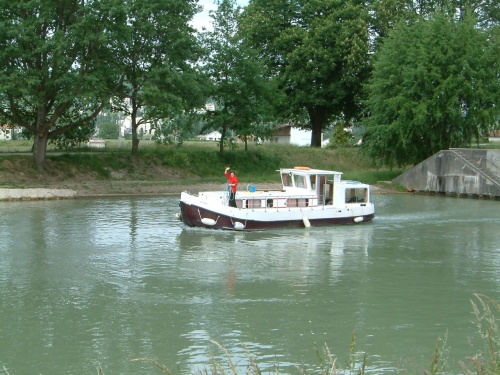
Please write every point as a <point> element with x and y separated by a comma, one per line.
<point>232,181</point>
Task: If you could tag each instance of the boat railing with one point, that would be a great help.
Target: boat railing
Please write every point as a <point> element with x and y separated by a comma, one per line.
<point>281,201</point>
<point>353,196</point>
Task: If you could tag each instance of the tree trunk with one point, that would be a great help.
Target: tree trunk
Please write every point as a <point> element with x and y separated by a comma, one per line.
<point>222,138</point>
<point>40,150</point>
<point>135,138</point>
<point>317,116</point>
<point>41,138</point>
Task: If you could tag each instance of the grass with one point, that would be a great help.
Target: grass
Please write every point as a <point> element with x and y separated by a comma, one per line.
<point>201,161</point>
<point>193,160</point>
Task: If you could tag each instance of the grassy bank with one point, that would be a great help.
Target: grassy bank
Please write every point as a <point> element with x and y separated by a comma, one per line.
<point>193,161</point>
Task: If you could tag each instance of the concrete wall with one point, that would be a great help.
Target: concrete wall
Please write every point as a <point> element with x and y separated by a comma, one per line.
<point>470,172</point>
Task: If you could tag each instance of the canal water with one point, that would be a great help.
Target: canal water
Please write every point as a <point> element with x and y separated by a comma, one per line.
<point>89,284</point>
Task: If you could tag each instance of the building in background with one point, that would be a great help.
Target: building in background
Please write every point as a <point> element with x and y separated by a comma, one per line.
<point>292,135</point>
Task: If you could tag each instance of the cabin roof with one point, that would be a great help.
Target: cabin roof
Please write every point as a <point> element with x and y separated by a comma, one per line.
<point>308,171</point>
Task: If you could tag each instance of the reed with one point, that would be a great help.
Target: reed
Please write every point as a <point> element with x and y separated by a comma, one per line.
<point>482,362</point>
<point>327,363</point>
<point>156,364</point>
<point>486,361</point>
<point>439,357</point>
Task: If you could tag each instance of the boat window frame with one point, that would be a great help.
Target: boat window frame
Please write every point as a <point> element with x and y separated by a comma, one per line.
<point>286,179</point>
<point>360,194</point>
<point>303,177</point>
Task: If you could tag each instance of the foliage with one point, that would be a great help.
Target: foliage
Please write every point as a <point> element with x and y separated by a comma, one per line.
<point>175,130</point>
<point>157,56</point>
<point>74,136</point>
<point>241,94</point>
<point>340,136</point>
<point>109,130</point>
<point>56,65</point>
<point>434,86</point>
<point>385,15</point>
<point>318,52</point>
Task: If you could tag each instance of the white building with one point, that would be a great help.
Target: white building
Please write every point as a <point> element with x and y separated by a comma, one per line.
<point>289,134</point>
<point>5,133</point>
<point>212,136</point>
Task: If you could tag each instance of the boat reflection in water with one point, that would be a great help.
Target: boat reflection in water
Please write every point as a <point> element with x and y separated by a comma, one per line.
<point>267,274</point>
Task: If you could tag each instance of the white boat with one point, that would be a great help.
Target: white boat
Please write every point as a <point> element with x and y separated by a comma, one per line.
<point>308,197</point>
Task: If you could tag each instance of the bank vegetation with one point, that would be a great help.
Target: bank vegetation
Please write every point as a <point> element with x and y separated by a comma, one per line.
<point>163,166</point>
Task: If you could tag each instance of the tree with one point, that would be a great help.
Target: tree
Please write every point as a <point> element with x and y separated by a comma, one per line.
<point>318,50</point>
<point>109,130</point>
<point>56,65</point>
<point>435,85</point>
<point>241,93</point>
<point>157,58</point>
<point>176,130</point>
<point>385,14</point>
<point>75,135</point>
<point>340,136</point>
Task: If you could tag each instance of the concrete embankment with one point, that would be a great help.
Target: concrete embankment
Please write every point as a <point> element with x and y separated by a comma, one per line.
<point>460,172</point>
<point>35,194</point>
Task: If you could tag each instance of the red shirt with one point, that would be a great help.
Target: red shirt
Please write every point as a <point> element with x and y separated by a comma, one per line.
<point>232,180</point>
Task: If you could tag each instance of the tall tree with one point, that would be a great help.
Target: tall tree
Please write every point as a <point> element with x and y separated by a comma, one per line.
<point>385,14</point>
<point>157,58</point>
<point>56,65</point>
<point>241,93</point>
<point>435,85</point>
<point>318,50</point>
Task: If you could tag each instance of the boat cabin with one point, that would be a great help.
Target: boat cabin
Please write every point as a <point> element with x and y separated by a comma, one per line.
<point>306,187</point>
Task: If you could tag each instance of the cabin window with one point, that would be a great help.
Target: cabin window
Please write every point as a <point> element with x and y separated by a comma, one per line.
<point>359,195</point>
<point>269,203</point>
<point>287,179</point>
<point>319,187</point>
<point>253,203</point>
<point>328,193</point>
<point>300,181</point>
<point>298,202</point>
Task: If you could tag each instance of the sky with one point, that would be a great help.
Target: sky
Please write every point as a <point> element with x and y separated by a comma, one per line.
<point>202,19</point>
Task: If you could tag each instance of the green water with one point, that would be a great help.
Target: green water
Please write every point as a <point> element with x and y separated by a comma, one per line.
<point>96,283</point>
